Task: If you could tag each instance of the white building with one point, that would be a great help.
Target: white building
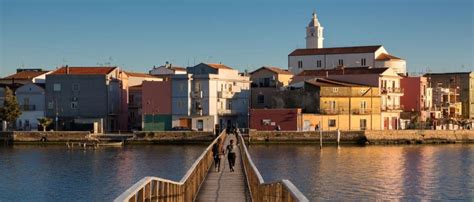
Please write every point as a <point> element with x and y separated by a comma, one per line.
<point>31,98</point>
<point>315,56</point>
<point>210,94</point>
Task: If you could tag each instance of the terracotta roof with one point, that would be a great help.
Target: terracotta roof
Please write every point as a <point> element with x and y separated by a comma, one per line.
<point>137,74</point>
<point>25,75</point>
<point>335,50</point>
<point>217,66</point>
<point>84,70</point>
<point>385,56</point>
<point>329,82</point>
<point>342,71</point>
<point>273,69</point>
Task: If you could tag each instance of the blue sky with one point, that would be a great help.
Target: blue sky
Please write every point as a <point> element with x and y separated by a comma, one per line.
<point>245,34</point>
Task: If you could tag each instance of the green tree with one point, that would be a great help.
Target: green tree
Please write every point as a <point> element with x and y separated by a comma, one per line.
<point>10,110</point>
<point>45,122</point>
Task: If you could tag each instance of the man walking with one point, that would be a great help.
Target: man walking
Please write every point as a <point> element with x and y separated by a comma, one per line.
<point>231,155</point>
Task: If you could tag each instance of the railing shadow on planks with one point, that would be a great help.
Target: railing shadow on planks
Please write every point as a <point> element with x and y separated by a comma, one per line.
<point>158,189</point>
<point>283,190</point>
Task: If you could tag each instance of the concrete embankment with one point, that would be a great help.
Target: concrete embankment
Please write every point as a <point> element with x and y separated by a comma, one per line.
<point>52,137</point>
<point>366,137</point>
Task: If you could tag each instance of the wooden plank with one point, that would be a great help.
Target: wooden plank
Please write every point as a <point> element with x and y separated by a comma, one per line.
<point>225,185</point>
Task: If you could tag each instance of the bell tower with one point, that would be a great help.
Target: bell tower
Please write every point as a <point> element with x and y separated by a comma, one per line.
<point>314,33</point>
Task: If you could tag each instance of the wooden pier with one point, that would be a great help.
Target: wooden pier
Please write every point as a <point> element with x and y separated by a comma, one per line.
<point>203,183</point>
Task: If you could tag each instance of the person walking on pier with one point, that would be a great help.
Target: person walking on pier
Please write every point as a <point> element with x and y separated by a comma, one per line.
<point>216,153</point>
<point>231,155</point>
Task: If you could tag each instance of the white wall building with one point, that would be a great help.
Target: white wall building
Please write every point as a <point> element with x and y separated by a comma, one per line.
<point>210,94</point>
<point>314,56</point>
<point>31,98</point>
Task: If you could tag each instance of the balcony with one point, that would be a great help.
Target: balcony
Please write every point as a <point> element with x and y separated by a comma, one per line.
<point>196,94</point>
<point>225,94</point>
<point>385,91</point>
<point>28,107</point>
<point>361,111</point>
<point>392,108</point>
<point>226,112</point>
<point>333,111</point>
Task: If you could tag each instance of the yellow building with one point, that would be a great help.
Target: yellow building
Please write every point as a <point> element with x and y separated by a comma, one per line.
<point>344,106</point>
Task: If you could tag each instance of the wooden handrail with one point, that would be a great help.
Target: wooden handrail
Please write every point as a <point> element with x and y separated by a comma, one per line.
<point>282,190</point>
<point>159,189</point>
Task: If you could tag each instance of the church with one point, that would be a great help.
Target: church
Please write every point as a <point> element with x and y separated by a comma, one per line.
<point>316,57</point>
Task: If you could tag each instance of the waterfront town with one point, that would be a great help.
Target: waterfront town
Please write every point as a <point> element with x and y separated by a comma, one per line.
<point>349,88</point>
<point>347,119</point>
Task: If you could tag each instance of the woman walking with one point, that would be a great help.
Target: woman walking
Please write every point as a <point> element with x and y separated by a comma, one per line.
<point>231,155</point>
<point>217,156</point>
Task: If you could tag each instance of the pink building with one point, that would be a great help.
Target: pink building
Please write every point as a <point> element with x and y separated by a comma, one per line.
<point>156,98</point>
<point>417,97</point>
<point>156,105</point>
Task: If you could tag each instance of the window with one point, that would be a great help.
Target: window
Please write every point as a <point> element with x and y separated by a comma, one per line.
<point>75,87</point>
<point>181,87</point>
<point>198,106</point>
<point>266,82</point>
<point>341,62</point>
<point>333,105</point>
<point>229,105</point>
<point>74,105</point>
<point>300,64</point>
<point>363,62</point>
<point>363,124</point>
<point>318,63</point>
<point>57,87</point>
<point>197,87</point>
<point>266,122</point>
<point>363,106</point>
<point>332,123</point>
<point>261,99</point>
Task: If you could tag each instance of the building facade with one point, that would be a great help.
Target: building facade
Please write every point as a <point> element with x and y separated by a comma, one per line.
<point>30,98</point>
<point>461,87</point>
<point>315,57</point>
<point>86,98</point>
<point>417,97</point>
<point>387,80</point>
<point>156,102</point>
<point>210,96</point>
<point>266,83</point>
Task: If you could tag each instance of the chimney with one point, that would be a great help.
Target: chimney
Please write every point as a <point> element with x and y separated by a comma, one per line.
<point>327,74</point>
<point>67,69</point>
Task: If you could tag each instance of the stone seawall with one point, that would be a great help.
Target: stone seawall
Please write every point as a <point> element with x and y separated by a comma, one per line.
<point>159,137</point>
<point>305,137</point>
<point>174,137</point>
<point>419,136</point>
<point>366,137</point>
<point>39,136</point>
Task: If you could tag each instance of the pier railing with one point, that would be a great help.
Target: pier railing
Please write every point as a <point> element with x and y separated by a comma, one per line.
<point>159,189</point>
<point>282,190</point>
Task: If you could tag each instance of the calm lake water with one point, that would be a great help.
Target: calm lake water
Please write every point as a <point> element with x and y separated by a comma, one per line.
<point>431,172</point>
<point>55,173</point>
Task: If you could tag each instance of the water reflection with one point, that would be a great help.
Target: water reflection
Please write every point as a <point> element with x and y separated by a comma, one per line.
<point>430,172</point>
<point>51,173</point>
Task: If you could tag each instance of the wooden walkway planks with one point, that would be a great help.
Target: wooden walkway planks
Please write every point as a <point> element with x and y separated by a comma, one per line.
<point>225,185</point>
